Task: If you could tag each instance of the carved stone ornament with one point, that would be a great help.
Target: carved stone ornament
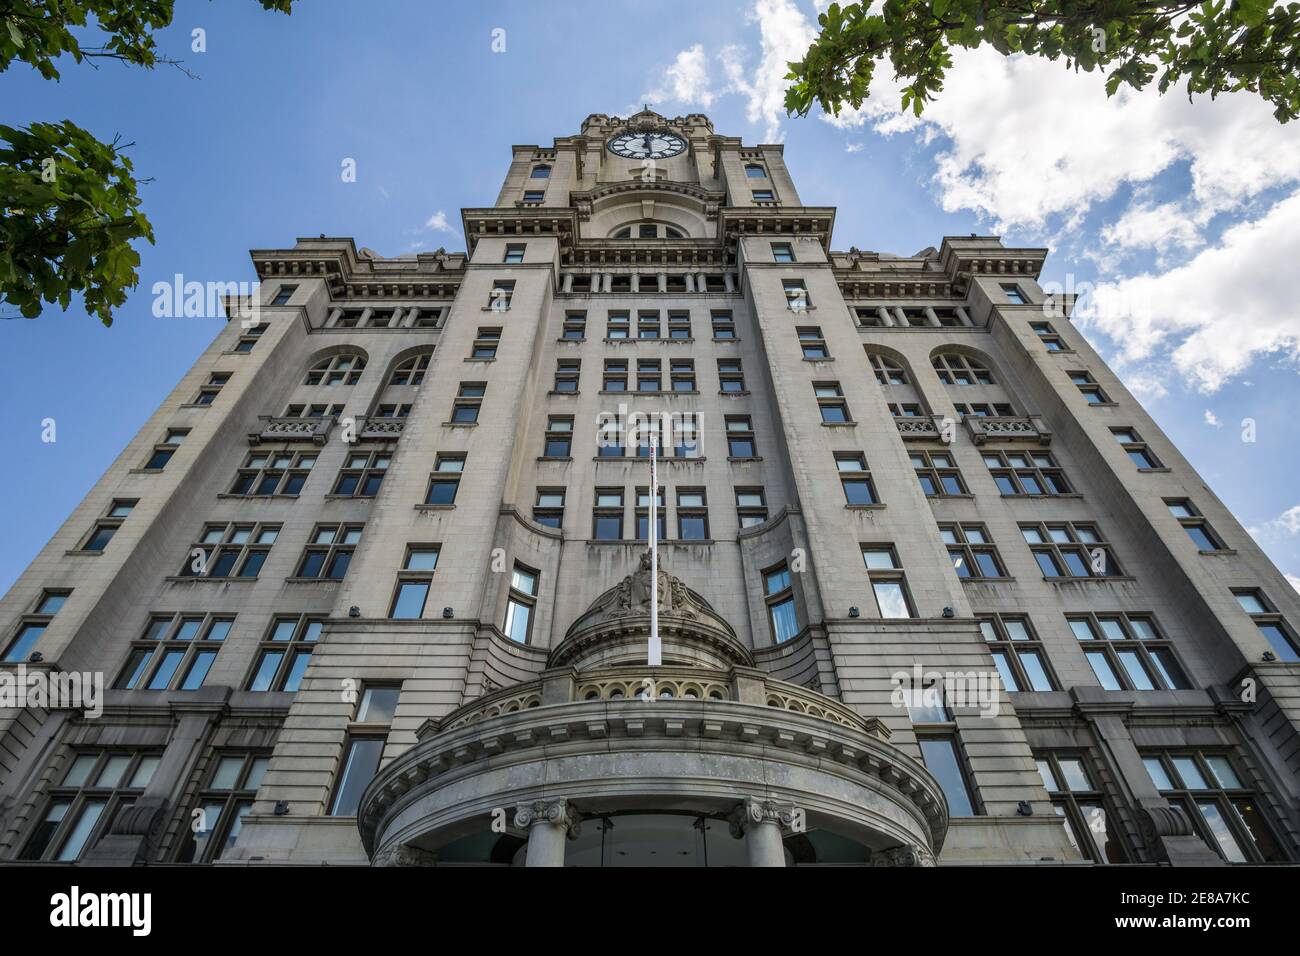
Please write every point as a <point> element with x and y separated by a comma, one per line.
<point>1157,821</point>
<point>912,855</point>
<point>632,595</point>
<point>555,812</point>
<point>402,855</point>
<point>753,812</point>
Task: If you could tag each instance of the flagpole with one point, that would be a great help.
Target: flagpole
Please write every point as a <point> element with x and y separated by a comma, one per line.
<point>656,649</point>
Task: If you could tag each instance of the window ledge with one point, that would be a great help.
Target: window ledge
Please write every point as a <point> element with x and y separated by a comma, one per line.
<point>1068,494</point>
<point>313,580</point>
<point>197,404</point>
<point>333,497</point>
<point>556,391</point>
<point>1098,578</point>
<point>839,424</point>
<point>460,424</point>
<point>950,497</point>
<point>725,341</point>
<point>424,506</point>
<point>145,471</point>
<point>564,341</point>
<point>743,392</point>
<point>663,459</point>
<point>750,458</point>
<point>1061,352</point>
<point>1220,552</point>
<point>228,496</point>
<point>1103,404</point>
<point>555,458</point>
<point>877,506</point>
<point>488,308</point>
<point>828,358</point>
<point>470,358</point>
<point>645,542</point>
<point>82,551</point>
<point>179,578</point>
<point>974,580</point>
<point>1154,471</point>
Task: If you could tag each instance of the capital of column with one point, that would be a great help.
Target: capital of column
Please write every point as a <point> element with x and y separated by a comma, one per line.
<point>557,812</point>
<point>753,812</point>
<point>903,856</point>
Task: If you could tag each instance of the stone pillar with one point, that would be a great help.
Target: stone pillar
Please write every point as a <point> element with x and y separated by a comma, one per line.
<point>901,317</point>
<point>636,282</point>
<point>964,315</point>
<point>568,282</point>
<point>885,318</point>
<point>549,823</point>
<point>690,282</point>
<point>728,282</point>
<point>663,282</point>
<point>934,319</point>
<point>759,823</point>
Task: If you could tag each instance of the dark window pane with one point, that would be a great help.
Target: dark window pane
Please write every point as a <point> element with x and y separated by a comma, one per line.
<point>940,755</point>
<point>267,665</point>
<point>442,493</point>
<point>359,768</point>
<point>409,603</point>
<point>198,670</point>
<point>297,667</point>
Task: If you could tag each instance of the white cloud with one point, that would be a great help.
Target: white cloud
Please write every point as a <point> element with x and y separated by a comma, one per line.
<point>1218,312</point>
<point>438,223</point>
<point>1212,419</point>
<point>785,35</point>
<point>1295,581</point>
<point>686,81</point>
<point>1289,520</point>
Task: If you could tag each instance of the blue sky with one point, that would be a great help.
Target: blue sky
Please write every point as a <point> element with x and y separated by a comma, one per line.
<point>1182,219</point>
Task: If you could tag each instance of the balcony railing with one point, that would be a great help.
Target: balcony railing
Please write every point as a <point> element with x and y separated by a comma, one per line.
<point>315,430</point>
<point>992,428</point>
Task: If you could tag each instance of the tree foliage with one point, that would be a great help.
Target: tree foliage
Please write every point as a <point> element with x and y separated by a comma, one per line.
<point>69,203</point>
<point>1216,46</point>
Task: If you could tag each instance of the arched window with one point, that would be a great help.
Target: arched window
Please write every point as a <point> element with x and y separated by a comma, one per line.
<point>343,369</point>
<point>648,230</point>
<point>671,232</point>
<point>541,172</point>
<point>624,233</point>
<point>956,369</point>
<point>411,371</point>
<point>888,372</point>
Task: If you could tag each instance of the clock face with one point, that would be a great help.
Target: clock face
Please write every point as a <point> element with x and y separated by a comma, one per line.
<point>654,144</point>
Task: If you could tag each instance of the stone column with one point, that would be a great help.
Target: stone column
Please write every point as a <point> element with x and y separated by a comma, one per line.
<point>549,823</point>
<point>901,317</point>
<point>568,282</point>
<point>663,282</point>
<point>964,316</point>
<point>728,282</point>
<point>932,317</point>
<point>885,318</point>
<point>759,823</point>
<point>636,282</point>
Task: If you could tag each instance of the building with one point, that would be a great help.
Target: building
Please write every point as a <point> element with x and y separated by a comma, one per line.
<point>372,585</point>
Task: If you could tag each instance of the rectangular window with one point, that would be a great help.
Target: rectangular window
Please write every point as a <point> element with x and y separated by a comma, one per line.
<point>567,373</point>
<point>227,795</point>
<point>615,378</point>
<point>943,760</point>
<point>514,253</point>
<point>830,402</point>
<point>1047,335</point>
<point>469,401</point>
<point>1031,472</point>
<point>740,437</point>
<point>1088,388</point>
<point>284,294</point>
<point>175,652</point>
<point>1197,528</point>
<point>618,325</point>
<point>503,290</point>
<point>724,326</point>
<point>643,515</point>
<point>360,762</point>
<point>330,552</point>
<point>575,327</point>
<point>731,376</point>
<point>559,437</point>
<point>230,551</point>
<point>1081,805</point>
<point>679,326</point>
<point>1281,638</point>
<point>521,604</point>
<point>162,452</point>
<point>414,581</point>
<point>764,195</point>
<point>607,516</point>
<point>363,473</point>
<point>859,489</point>
<point>649,377</point>
<point>751,507</point>
<point>1017,653</point>
<point>445,480</point>
<point>268,473</point>
<point>692,515</point>
<point>779,590</point>
<point>1013,293</point>
<point>1070,550</point>
<point>103,530</point>
<point>284,653</point>
<point>1128,652</point>
<point>782,252</point>
<point>534,197</point>
<point>485,344</point>
<point>549,508</point>
<point>212,388</point>
<point>647,325</point>
<point>32,626</point>
<point>937,472</point>
<point>812,343</point>
<point>796,295</point>
<point>971,550</point>
<point>888,583</point>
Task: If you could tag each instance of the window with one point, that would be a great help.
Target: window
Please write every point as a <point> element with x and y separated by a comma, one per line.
<point>559,437</point>
<point>724,326</point>
<point>956,369</point>
<point>97,786</point>
<point>212,388</point>
<point>162,452</point>
<point>830,401</point>
<point>503,291</point>
<point>230,551</point>
<point>425,318</point>
<point>349,318</point>
<point>175,652</point>
<point>104,529</point>
<point>534,197</point>
<point>249,338</point>
<point>905,409</point>
<point>972,552</point>
<point>469,400</point>
<point>1070,550</point>
<point>983,409</point>
<point>1089,389</point>
<point>764,195</point>
<point>686,435</point>
<point>645,431</point>
<point>755,171</point>
<point>575,327</point>
<point>1017,653</point>
<point>679,325</point>
<point>740,437</point>
<point>779,591</point>
<point>649,376</point>
<point>363,473</point>
<point>549,508</point>
<point>380,318</point>
<point>859,489</point>
<point>647,325</point>
<point>682,374</point>
<point>284,653</point>
<point>731,377</point>
<point>888,583</point>
<point>1270,623</point>
<point>1128,652</point>
<point>643,515</point>
<point>393,411</point>
<point>609,437</point>
<point>317,411</point>
<point>942,759</point>
<point>751,507</point>
<point>360,761</point>
<point>411,371</point>
<point>330,552</point>
<point>692,515</point>
<point>337,370</point>
<point>521,603</point>
<point>445,480</point>
<point>1030,472</point>
<point>514,252</point>
<point>226,797</point>
<point>413,582</point>
<point>540,172</point>
<point>272,473</point>
<point>782,252</point>
<point>32,626</point>
<point>812,343</point>
<point>617,325</point>
<point>485,345</point>
<point>621,283</point>
<point>1081,806</point>
<point>888,372</point>
<point>1013,293</point>
<point>1137,450</point>
<point>1047,335</point>
<point>607,517</point>
<point>1208,788</point>
<point>567,373</point>
<point>796,295</point>
<point>938,474</point>
<point>284,294</point>
<point>615,379</point>
<point>1197,528</point>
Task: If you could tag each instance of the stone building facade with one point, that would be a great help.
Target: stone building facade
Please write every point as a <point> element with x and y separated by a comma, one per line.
<point>372,585</point>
